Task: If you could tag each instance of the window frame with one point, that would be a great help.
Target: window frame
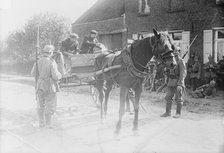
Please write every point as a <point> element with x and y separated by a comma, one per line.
<point>140,10</point>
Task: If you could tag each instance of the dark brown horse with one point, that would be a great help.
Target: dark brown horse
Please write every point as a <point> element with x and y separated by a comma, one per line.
<point>133,63</point>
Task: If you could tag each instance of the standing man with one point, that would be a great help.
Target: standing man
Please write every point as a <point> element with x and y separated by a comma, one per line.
<point>209,69</point>
<point>70,45</point>
<point>190,63</point>
<point>175,85</point>
<point>89,43</point>
<point>47,86</point>
<point>196,73</point>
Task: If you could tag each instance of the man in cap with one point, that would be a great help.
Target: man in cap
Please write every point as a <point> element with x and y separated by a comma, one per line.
<point>70,45</point>
<point>196,72</point>
<point>209,69</point>
<point>175,85</point>
<point>190,63</point>
<point>89,43</point>
<point>46,88</point>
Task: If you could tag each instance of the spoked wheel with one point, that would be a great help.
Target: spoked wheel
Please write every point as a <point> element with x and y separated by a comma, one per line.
<point>95,95</point>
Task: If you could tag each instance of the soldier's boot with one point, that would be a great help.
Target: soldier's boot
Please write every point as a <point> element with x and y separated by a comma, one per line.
<point>178,111</point>
<point>168,110</point>
<point>48,118</point>
<point>41,118</point>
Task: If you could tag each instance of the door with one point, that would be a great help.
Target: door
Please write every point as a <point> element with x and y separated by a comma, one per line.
<point>112,41</point>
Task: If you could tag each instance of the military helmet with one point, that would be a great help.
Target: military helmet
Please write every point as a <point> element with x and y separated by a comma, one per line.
<point>48,49</point>
<point>93,32</point>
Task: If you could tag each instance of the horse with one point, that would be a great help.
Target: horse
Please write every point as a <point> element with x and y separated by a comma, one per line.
<point>133,63</point>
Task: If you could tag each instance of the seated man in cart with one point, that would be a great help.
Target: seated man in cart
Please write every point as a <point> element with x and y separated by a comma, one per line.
<point>89,43</point>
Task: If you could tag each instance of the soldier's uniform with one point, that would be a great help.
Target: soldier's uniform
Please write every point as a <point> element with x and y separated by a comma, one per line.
<point>209,68</point>
<point>175,86</point>
<point>196,72</point>
<point>47,86</point>
<point>190,63</point>
<point>89,43</point>
<point>205,91</point>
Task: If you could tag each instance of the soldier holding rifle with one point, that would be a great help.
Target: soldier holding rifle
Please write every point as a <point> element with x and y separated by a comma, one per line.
<point>46,70</point>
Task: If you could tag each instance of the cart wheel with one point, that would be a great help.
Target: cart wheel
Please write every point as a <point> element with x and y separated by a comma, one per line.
<point>95,95</point>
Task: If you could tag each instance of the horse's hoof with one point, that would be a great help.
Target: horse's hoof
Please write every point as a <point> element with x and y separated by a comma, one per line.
<point>116,132</point>
<point>116,135</point>
<point>135,133</point>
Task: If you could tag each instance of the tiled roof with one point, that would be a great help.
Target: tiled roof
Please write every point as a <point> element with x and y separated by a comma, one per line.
<point>102,10</point>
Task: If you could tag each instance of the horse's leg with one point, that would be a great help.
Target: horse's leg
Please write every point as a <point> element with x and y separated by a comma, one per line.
<point>123,95</point>
<point>128,108</point>
<point>99,87</point>
<point>138,92</point>
<point>107,93</point>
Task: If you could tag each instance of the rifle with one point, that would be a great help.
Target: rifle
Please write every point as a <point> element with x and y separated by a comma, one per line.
<point>37,47</point>
<point>189,47</point>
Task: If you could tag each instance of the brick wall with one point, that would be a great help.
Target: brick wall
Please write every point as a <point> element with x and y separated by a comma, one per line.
<point>195,17</point>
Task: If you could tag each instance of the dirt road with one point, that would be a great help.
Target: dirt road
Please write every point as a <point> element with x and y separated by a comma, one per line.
<point>79,129</point>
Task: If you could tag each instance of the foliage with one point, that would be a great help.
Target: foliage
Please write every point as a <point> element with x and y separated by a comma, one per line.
<point>22,44</point>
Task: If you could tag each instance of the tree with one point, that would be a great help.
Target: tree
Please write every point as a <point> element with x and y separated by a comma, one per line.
<point>22,43</point>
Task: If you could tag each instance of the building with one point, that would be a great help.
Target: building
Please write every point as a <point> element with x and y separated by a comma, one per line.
<point>117,21</point>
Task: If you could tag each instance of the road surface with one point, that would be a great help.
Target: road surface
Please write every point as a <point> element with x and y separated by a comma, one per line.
<point>80,130</point>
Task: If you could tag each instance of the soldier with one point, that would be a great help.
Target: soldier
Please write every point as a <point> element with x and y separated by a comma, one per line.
<point>196,72</point>
<point>175,85</point>
<point>209,68</point>
<point>205,91</point>
<point>47,86</point>
<point>89,43</point>
<point>220,73</point>
<point>190,63</point>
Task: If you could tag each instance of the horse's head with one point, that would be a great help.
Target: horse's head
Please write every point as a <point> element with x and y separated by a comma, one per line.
<point>163,48</point>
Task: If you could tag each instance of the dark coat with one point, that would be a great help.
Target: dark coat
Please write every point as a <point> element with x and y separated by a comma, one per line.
<point>69,46</point>
<point>88,44</point>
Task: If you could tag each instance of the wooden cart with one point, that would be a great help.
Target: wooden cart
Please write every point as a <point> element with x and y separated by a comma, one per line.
<point>81,72</point>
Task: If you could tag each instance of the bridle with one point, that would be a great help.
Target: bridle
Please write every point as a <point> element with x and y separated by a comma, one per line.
<point>159,58</point>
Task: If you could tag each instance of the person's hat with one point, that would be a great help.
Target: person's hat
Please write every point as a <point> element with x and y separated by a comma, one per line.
<point>74,35</point>
<point>212,82</point>
<point>93,32</point>
<point>48,49</point>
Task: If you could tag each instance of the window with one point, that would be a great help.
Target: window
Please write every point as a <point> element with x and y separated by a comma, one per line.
<point>220,34</point>
<point>176,5</point>
<point>144,8</point>
<point>219,44</point>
